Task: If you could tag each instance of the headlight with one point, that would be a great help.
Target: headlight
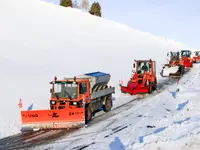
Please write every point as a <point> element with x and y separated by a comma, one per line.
<point>74,103</point>
<point>53,102</point>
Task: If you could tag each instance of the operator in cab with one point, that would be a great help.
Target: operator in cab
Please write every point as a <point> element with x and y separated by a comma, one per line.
<point>145,67</point>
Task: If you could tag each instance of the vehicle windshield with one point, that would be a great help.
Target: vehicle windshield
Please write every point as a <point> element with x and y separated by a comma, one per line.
<point>197,53</point>
<point>185,53</point>
<point>65,90</point>
<point>142,67</point>
<point>174,56</point>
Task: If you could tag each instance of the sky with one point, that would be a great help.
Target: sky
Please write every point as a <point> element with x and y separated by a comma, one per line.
<point>175,19</point>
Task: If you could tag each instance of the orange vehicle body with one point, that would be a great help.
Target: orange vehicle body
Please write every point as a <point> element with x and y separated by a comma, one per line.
<point>186,58</point>
<point>72,105</point>
<point>196,57</point>
<point>142,81</point>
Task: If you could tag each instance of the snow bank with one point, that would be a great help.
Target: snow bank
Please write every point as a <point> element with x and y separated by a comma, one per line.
<point>40,40</point>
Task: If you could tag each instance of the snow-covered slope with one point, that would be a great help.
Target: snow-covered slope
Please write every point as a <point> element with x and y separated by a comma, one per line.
<point>165,121</point>
<point>41,40</point>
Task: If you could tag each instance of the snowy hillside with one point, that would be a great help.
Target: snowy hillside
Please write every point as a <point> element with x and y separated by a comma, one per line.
<point>40,40</point>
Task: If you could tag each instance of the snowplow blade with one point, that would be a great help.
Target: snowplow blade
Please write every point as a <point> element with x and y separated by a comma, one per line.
<point>170,71</point>
<point>133,90</point>
<point>52,119</point>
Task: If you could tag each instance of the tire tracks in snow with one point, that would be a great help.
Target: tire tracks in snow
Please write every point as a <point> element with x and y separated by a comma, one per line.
<point>124,107</point>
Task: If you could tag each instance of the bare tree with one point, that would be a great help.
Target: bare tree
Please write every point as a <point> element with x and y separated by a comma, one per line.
<point>75,4</point>
<point>85,5</point>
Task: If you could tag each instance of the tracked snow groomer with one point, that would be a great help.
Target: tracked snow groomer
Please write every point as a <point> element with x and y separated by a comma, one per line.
<point>196,57</point>
<point>186,58</point>
<point>175,67</point>
<point>143,80</point>
<point>73,103</point>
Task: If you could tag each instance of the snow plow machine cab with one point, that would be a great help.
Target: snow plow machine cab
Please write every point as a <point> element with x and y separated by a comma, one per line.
<point>73,102</point>
<point>196,57</point>
<point>175,67</point>
<point>143,80</point>
<point>187,58</point>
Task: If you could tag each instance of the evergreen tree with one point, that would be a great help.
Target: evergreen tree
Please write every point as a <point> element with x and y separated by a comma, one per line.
<point>95,9</point>
<point>66,3</point>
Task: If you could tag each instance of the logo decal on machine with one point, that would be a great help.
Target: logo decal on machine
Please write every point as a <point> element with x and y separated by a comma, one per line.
<point>75,113</point>
<point>31,115</point>
<point>54,115</point>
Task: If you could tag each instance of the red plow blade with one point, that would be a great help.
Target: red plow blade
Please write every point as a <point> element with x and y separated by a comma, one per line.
<point>134,89</point>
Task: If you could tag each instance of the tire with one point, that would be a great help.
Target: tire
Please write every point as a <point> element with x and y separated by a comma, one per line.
<point>182,70</point>
<point>108,104</point>
<point>88,114</point>
<point>150,88</point>
<point>154,87</point>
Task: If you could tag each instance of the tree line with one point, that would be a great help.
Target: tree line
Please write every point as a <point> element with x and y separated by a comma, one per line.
<point>93,9</point>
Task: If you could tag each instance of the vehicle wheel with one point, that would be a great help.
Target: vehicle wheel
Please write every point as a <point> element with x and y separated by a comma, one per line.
<point>150,88</point>
<point>154,87</point>
<point>108,104</point>
<point>182,70</point>
<point>88,114</point>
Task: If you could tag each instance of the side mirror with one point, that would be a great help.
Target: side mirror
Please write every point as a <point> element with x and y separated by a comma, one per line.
<point>133,65</point>
<point>167,54</point>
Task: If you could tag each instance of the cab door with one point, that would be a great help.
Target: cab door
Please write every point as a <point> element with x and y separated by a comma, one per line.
<point>84,91</point>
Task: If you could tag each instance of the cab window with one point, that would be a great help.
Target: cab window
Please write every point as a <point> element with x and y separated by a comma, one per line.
<point>82,88</point>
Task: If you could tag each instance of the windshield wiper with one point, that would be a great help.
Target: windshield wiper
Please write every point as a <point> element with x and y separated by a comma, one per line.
<point>56,95</point>
<point>68,95</point>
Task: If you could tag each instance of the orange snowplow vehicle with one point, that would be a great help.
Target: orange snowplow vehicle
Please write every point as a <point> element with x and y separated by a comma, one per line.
<point>196,57</point>
<point>73,103</point>
<point>143,80</point>
<point>186,58</point>
<point>175,66</point>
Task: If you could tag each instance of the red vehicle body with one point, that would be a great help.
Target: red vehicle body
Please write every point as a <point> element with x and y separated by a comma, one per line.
<point>175,66</point>
<point>143,80</point>
<point>196,57</point>
<point>186,58</point>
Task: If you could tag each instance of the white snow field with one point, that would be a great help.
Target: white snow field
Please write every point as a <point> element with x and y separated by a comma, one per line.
<point>168,120</point>
<point>39,40</point>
